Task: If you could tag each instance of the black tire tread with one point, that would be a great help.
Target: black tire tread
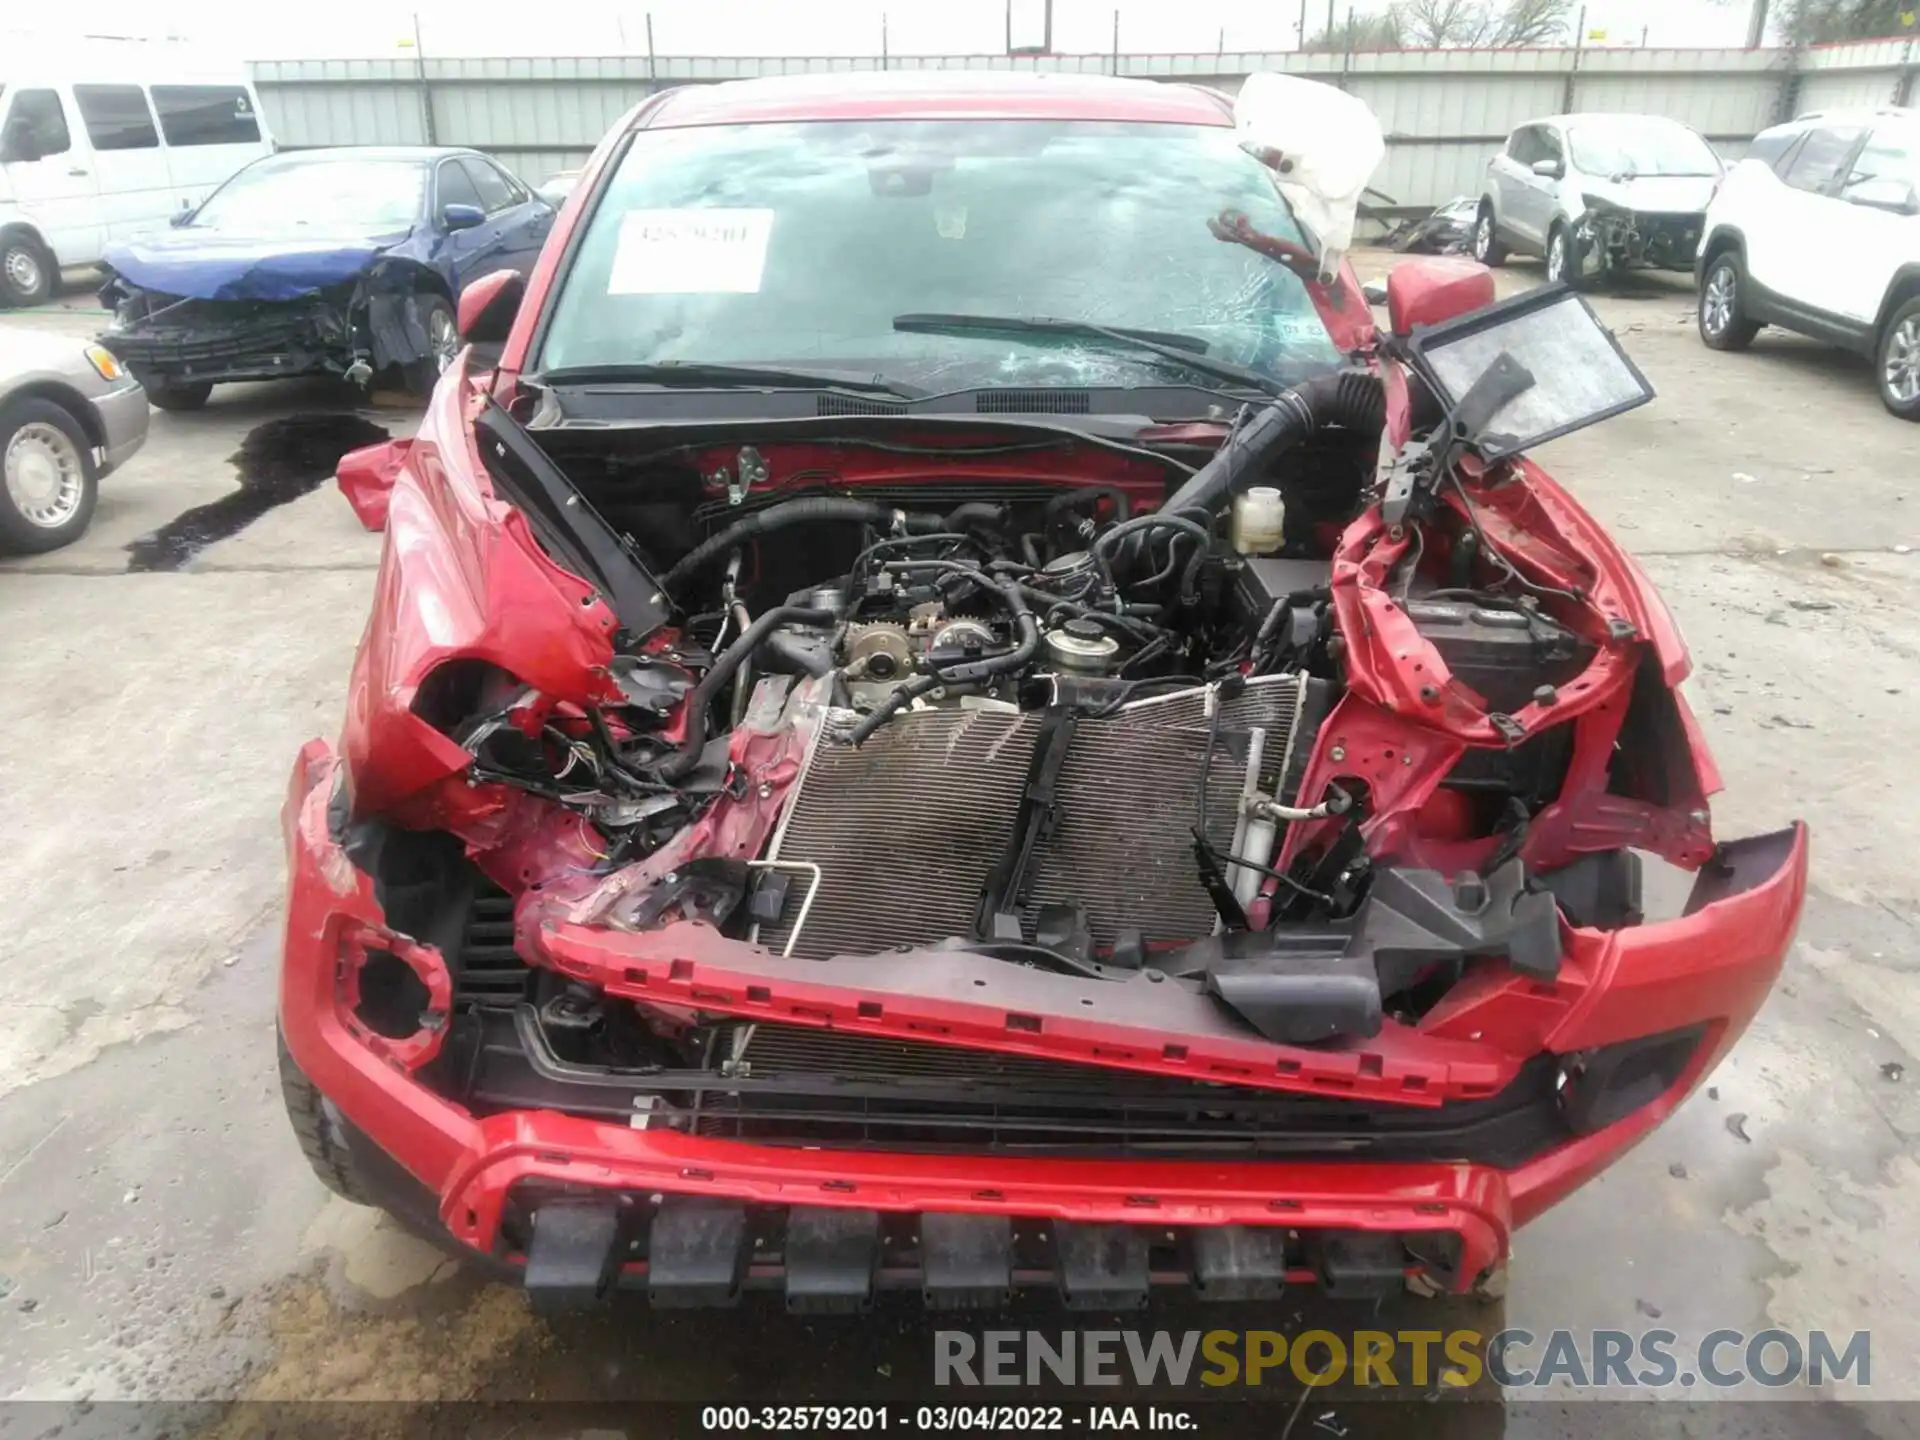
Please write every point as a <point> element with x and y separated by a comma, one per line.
<point>318,1134</point>
<point>420,375</point>
<point>49,268</point>
<point>179,398</point>
<point>1908,307</point>
<point>1496,252</point>
<point>1740,331</point>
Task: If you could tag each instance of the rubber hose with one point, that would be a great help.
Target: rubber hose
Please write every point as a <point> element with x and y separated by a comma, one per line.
<point>1351,399</point>
<point>729,660</point>
<point>792,512</point>
<point>1189,579</point>
<point>1066,499</point>
<point>792,658</point>
<point>975,512</point>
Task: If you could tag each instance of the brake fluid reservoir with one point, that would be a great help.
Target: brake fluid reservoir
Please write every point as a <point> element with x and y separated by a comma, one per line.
<point>1259,521</point>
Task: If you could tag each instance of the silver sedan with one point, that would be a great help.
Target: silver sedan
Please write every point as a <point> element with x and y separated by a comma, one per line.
<point>69,414</point>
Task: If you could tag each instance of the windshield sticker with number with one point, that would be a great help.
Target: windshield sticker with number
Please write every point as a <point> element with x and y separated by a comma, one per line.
<point>690,252</point>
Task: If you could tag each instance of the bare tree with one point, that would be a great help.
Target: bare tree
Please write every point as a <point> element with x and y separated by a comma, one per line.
<point>1813,22</point>
<point>1459,24</point>
<point>1532,22</point>
<point>1378,31</point>
<point>1433,24</point>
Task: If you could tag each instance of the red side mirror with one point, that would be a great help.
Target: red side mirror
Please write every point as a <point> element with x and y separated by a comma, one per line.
<point>488,305</point>
<point>1435,288</point>
<point>366,477</point>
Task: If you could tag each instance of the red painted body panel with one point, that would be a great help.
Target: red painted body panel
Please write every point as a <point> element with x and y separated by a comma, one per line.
<point>1715,965</point>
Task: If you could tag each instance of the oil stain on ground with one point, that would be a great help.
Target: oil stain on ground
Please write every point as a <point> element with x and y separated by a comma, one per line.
<point>277,462</point>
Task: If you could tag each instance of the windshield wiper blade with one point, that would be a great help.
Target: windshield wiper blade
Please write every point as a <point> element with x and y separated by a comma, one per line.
<point>1185,350</point>
<point>702,372</point>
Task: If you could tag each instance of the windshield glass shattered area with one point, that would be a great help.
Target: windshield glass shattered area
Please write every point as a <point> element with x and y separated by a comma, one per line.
<point>798,244</point>
<point>1634,147</point>
<point>292,195</point>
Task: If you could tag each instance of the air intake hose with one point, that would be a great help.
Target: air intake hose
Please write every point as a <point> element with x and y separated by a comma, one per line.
<point>793,512</point>
<point>1351,399</point>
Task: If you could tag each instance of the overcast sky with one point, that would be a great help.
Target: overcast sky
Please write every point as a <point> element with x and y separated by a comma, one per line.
<point>787,27</point>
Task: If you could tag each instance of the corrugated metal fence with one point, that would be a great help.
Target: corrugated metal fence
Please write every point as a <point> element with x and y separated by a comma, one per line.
<point>1444,110</point>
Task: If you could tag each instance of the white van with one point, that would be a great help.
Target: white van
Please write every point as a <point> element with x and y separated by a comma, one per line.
<point>95,150</point>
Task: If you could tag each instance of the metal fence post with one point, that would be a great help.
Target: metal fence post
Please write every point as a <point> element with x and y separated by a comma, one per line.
<point>653,65</point>
<point>1116,42</point>
<point>1567,97</point>
<point>1788,100</point>
<point>1903,87</point>
<point>426,90</point>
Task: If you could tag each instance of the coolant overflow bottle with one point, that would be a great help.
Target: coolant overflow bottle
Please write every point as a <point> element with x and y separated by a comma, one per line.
<point>1259,521</point>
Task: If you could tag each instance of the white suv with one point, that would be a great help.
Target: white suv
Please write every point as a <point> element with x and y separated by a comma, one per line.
<point>1597,194</point>
<point>1818,230</point>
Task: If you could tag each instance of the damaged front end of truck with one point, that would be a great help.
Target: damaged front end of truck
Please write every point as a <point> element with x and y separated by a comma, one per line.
<point>879,852</point>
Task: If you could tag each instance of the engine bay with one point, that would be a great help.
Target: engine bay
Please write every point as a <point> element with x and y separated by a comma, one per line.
<point>1063,706</point>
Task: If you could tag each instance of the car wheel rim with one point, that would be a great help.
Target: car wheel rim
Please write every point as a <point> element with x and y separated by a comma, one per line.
<point>23,270</point>
<point>45,478</point>
<point>1483,238</point>
<point>1901,373</point>
<point>1557,257</point>
<point>1716,306</point>
<point>443,341</point>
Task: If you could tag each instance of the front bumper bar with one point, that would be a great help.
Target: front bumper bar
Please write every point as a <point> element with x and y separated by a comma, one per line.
<point>1622,237</point>
<point>1712,968</point>
<point>221,342</point>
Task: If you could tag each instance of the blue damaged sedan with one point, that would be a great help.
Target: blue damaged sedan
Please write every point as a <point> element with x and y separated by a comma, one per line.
<point>345,262</point>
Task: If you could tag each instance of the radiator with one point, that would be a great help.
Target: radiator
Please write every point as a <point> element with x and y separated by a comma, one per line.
<point>907,828</point>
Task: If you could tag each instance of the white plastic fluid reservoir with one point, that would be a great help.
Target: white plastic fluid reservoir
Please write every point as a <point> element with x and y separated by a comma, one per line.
<point>1259,521</point>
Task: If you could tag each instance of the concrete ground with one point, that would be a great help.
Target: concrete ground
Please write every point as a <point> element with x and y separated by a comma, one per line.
<point>161,1238</point>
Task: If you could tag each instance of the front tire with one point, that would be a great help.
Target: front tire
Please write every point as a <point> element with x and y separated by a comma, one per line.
<point>443,344</point>
<point>179,397</point>
<point>48,481</point>
<point>1487,248</point>
<point>318,1126</point>
<point>1560,266</point>
<point>1722,315</point>
<point>1897,361</point>
<point>27,272</point>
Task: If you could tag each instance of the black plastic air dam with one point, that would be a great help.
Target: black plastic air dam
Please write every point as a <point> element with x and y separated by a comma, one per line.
<point>1351,399</point>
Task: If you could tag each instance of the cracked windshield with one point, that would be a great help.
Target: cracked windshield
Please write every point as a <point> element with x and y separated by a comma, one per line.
<point>803,244</point>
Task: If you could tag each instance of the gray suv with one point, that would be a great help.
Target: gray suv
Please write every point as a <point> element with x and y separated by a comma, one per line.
<point>1597,194</point>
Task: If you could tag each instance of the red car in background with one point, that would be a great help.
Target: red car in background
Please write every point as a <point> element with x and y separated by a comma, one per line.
<point>942,711</point>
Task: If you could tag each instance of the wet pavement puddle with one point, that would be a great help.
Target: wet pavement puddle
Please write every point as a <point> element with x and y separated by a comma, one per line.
<point>277,462</point>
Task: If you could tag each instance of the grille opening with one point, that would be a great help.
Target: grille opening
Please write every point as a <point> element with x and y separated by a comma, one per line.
<point>787,1085</point>
<point>488,971</point>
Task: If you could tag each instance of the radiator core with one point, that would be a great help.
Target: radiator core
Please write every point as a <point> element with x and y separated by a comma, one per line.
<point>907,828</point>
